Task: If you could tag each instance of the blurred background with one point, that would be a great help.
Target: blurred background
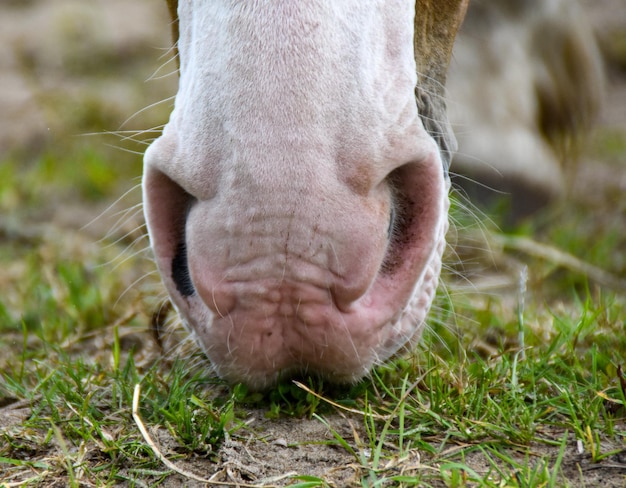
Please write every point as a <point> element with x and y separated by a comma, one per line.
<point>78,77</point>
<point>82,83</point>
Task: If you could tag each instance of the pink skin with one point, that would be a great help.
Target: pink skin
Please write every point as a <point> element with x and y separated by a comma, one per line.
<point>268,198</point>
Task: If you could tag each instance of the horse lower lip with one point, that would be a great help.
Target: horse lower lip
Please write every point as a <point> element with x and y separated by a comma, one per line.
<point>257,348</point>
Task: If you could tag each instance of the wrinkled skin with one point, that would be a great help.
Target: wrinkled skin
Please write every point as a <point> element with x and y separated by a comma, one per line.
<point>297,199</point>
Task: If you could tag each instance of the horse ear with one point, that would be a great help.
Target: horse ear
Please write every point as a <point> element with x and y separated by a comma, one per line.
<point>436,25</point>
<point>172,6</point>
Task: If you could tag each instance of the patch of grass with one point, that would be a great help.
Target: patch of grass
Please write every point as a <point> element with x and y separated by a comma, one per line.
<point>80,417</point>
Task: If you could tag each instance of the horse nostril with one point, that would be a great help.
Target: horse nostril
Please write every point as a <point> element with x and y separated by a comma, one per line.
<point>407,190</point>
<point>180,271</point>
<point>167,206</point>
<point>392,219</point>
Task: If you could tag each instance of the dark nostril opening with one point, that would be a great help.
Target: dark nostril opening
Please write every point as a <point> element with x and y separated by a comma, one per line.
<point>392,219</point>
<point>180,271</point>
<point>402,210</point>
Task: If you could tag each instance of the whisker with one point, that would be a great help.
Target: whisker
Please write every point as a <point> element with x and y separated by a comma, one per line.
<point>125,149</point>
<point>134,284</point>
<point>124,217</point>
<point>152,105</point>
<point>132,255</point>
<point>111,206</point>
<point>170,54</point>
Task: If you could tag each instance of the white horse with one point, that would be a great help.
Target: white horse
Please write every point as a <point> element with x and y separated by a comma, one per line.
<point>297,199</point>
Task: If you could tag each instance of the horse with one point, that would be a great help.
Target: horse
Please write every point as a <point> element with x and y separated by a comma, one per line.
<point>297,199</point>
<point>525,86</point>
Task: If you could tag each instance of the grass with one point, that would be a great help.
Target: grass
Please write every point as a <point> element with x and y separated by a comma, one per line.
<point>470,408</point>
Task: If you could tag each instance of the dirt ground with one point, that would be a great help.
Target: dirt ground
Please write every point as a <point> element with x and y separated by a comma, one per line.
<point>47,51</point>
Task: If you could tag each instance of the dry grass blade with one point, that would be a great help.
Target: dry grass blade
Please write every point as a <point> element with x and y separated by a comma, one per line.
<point>157,452</point>
<point>337,405</point>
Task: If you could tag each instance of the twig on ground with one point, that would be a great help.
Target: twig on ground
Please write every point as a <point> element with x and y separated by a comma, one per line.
<point>560,258</point>
<point>157,452</point>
